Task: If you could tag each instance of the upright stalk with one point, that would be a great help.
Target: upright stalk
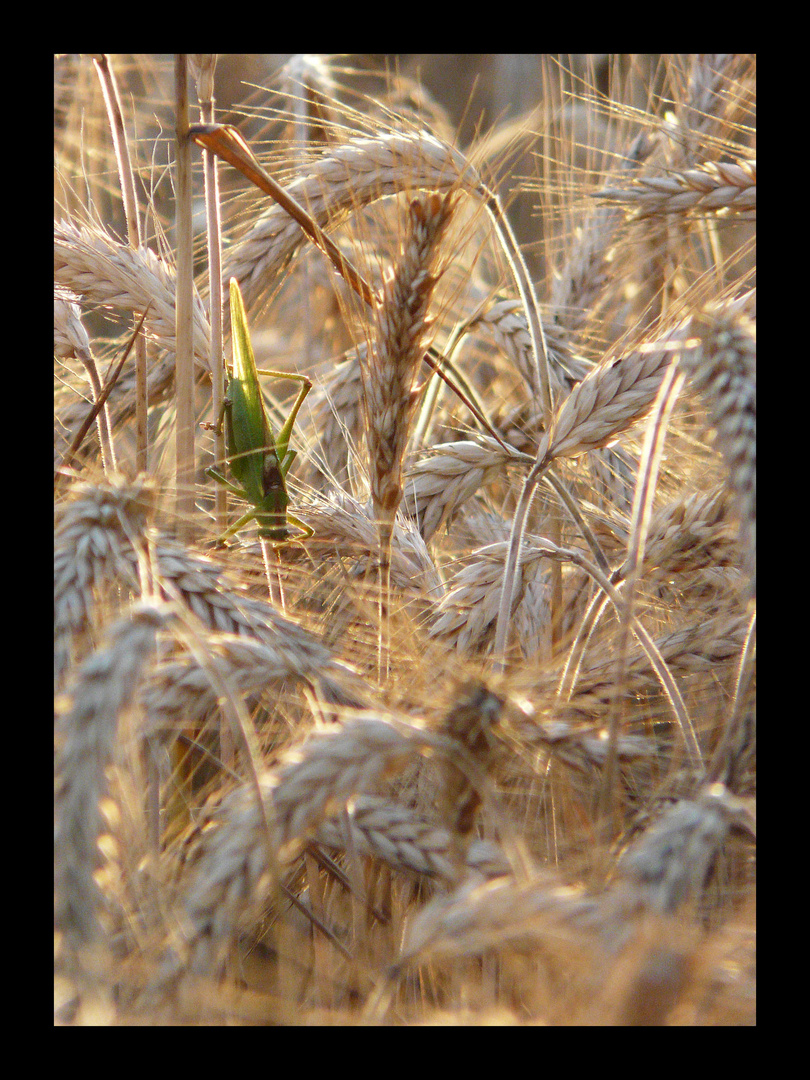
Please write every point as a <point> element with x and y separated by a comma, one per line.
<point>184,307</point>
<point>642,508</point>
<point>204,66</point>
<point>531,306</point>
<point>126,177</point>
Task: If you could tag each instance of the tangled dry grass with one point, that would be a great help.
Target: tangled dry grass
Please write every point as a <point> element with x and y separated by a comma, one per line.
<point>482,749</point>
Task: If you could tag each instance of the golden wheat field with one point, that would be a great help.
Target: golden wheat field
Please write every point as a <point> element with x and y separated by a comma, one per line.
<point>434,703</point>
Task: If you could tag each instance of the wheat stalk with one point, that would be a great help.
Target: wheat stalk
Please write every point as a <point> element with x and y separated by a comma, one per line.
<point>70,339</point>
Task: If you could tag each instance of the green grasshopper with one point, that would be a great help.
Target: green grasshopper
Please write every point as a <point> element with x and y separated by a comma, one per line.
<point>257,459</point>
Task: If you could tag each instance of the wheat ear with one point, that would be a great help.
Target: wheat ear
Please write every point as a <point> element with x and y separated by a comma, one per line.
<point>465,616</point>
<point>403,840</point>
<point>313,781</point>
<point>611,397</point>
<point>103,271</point>
<point>400,340</point>
<point>445,477</point>
<point>336,185</point>
<point>670,863</point>
<point>724,371</point>
<point>729,187</point>
<point>95,535</point>
<point>85,738</point>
